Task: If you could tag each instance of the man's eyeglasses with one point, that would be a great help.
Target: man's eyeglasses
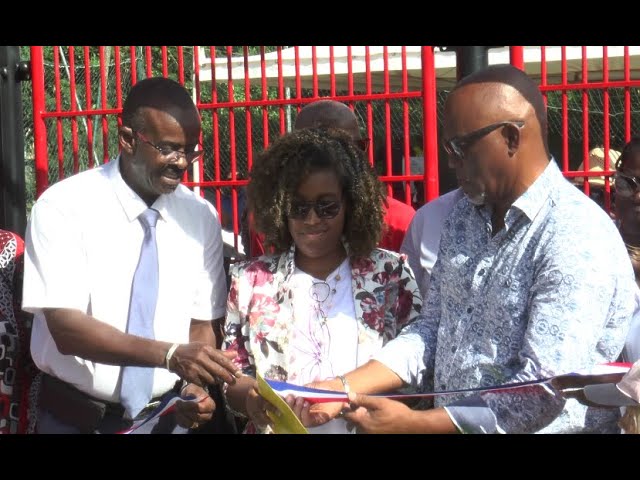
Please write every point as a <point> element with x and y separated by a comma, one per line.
<point>171,155</point>
<point>324,209</point>
<point>455,146</point>
<point>626,185</point>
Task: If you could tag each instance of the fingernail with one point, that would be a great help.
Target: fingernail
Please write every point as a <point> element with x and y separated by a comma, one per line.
<point>306,405</point>
<point>238,374</point>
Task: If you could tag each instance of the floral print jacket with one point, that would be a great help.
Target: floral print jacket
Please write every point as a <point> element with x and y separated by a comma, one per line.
<point>260,307</point>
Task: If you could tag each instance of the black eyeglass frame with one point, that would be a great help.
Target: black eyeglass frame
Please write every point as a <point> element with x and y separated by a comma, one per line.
<point>172,155</point>
<point>325,209</point>
<point>631,181</point>
<point>455,146</point>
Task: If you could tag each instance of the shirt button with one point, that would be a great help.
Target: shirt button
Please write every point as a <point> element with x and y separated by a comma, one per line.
<point>470,309</point>
<point>481,272</point>
<point>453,349</point>
<point>442,387</point>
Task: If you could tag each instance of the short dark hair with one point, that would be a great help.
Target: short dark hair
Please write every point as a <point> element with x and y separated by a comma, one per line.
<point>279,170</point>
<point>633,143</point>
<point>154,92</point>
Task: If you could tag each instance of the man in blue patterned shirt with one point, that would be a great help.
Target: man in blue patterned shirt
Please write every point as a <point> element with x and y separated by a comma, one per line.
<point>532,280</point>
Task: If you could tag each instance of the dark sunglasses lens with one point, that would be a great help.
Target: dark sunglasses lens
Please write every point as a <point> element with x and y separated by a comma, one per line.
<point>327,209</point>
<point>299,210</point>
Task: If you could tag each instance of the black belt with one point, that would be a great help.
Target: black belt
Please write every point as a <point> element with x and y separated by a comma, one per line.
<point>84,412</point>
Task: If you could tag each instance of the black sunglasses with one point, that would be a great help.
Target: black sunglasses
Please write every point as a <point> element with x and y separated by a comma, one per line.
<point>626,185</point>
<point>324,209</point>
<point>455,146</point>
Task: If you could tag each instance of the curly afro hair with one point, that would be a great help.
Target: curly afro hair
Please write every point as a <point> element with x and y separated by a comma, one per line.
<point>278,171</point>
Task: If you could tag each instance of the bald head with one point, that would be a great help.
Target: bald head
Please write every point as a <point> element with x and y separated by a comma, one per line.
<point>503,91</point>
<point>328,114</point>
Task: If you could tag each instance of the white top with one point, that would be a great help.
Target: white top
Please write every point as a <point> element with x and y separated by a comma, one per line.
<point>83,241</point>
<point>325,339</point>
<point>422,240</point>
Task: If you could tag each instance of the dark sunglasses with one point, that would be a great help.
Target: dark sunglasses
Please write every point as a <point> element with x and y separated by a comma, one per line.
<point>324,209</point>
<point>455,146</point>
<point>171,155</point>
<point>625,185</point>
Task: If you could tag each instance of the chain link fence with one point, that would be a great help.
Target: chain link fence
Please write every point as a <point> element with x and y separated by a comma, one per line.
<point>77,143</point>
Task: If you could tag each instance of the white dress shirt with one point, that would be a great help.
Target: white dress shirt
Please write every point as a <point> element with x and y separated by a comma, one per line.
<point>422,240</point>
<point>83,241</point>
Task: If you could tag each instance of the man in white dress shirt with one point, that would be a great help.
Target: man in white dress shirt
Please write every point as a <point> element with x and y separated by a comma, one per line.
<point>422,241</point>
<point>83,242</point>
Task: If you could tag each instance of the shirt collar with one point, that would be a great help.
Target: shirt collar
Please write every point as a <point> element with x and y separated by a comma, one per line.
<point>131,202</point>
<point>533,199</point>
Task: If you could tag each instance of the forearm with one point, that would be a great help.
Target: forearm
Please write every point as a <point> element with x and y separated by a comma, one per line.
<point>372,377</point>
<point>202,331</point>
<point>76,333</point>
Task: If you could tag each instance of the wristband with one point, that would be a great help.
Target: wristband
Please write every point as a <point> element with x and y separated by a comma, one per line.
<point>345,384</point>
<point>169,354</point>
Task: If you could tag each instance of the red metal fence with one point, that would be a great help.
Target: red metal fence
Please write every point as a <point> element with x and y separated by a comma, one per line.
<point>249,95</point>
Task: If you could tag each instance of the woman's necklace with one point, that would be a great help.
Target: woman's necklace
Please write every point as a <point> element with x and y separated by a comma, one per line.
<point>321,291</point>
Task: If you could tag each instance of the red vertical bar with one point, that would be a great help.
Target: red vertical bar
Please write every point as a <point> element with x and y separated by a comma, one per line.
<point>41,159</point>
<point>281,109</point>
<point>88,104</point>
<point>181,65</point>
<point>314,71</point>
<point>405,127</point>
<point>565,111</point>
<point>606,131</point>
<point>265,109</point>
<point>232,123</point>
<point>196,71</point>
<point>627,96</point>
<point>387,112</point>
<point>367,62</point>
<point>118,86</point>
<point>298,79</point>
<point>148,58</point>
<point>103,104</point>
<point>350,73</point>
<point>430,115</point>
<point>585,119</point>
<point>165,62</point>
<point>59,131</point>
<point>132,54</point>
<point>74,119</point>
<point>249,143</point>
<point>196,74</point>
<point>332,72</point>
<point>216,127</point>
<point>516,56</point>
<point>543,72</point>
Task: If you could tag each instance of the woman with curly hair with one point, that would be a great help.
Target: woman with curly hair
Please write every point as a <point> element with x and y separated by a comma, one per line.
<point>327,299</point>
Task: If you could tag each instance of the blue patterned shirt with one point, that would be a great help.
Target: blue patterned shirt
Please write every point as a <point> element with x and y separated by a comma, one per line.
<point>550,293</point>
